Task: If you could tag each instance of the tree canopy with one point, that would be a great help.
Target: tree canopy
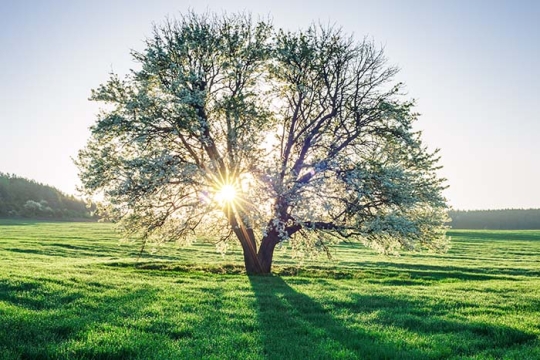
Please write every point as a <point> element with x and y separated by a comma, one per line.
<point>239,130</point>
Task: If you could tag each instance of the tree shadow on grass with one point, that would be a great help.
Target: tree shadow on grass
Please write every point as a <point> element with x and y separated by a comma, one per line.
<point>438,272</point>
<point>73,250</point>
<point>76,251</point>
<point>295,326</point>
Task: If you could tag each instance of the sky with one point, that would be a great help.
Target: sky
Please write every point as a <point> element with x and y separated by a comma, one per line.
<point>473,68</point>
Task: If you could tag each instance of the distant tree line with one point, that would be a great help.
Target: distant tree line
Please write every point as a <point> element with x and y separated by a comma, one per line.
<point>20,197</point>
<point>507,219</point>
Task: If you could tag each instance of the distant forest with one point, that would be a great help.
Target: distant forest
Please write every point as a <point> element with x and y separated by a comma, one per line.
<point>509,219</point>
<point>20,197</point>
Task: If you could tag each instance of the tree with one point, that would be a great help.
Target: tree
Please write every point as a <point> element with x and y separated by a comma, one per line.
<point>234,128</point>
<point>28,198</point>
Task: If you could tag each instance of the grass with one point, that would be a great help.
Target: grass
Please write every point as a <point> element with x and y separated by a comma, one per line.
<point>73,291</point>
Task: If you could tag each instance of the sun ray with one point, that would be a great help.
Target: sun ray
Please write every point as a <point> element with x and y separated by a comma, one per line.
<point>226,194</point>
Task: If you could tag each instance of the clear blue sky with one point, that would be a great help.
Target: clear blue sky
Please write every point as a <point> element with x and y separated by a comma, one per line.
<point>473,66</point>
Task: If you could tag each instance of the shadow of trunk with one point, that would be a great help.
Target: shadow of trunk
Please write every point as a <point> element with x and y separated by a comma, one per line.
<point>294,326</point>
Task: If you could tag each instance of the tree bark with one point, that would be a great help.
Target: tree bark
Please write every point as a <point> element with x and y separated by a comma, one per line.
<point>266,253</point>
<point>247,240</point>
<point>256,263</point>
<point>249,247</point>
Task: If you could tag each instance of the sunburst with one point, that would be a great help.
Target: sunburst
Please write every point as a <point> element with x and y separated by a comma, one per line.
<point>226,194</point>
<point>229,192</point>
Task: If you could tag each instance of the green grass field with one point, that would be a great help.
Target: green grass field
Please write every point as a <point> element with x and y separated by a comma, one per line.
<point>73,291</point>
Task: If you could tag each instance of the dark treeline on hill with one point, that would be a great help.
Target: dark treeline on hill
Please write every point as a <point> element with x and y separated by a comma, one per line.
<point>508,219</point>
<point>20,197</point>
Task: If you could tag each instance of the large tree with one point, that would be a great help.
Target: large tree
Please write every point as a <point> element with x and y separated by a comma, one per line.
<point>236,129</point>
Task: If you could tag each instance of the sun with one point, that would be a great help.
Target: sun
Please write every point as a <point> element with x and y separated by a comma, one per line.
<point>226,194</point>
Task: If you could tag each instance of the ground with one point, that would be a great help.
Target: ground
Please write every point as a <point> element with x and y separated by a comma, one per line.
<point>72,290</point>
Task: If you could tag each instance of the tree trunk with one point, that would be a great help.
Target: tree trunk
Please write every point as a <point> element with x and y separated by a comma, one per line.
<point>256,263</point>
<point>249,247</point>
<point>266,253</point>
<point>247,240</point>
<point>252,264</point>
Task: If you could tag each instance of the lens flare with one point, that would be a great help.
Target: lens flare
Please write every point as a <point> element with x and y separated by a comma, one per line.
<point>226,194</point>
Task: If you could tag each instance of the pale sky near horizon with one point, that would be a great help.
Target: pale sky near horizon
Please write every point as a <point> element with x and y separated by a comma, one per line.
<point>472,66</point>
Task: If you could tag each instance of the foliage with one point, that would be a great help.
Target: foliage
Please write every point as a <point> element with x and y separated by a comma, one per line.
<point>306,126</point>
<point>80,295</point>
<point>20,197</point>
<point>509,219</point>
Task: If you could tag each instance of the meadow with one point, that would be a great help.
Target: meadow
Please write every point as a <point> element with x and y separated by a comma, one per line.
<point>73,291</point>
